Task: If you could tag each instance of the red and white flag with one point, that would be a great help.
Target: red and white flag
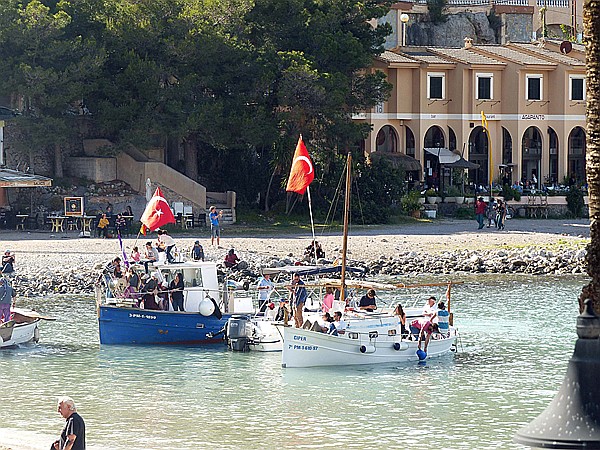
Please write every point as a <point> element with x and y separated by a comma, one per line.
<point>157,213</point>
<point>302,172</point>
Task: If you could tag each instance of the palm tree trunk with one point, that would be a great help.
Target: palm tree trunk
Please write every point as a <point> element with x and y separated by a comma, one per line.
<point>591,25</point>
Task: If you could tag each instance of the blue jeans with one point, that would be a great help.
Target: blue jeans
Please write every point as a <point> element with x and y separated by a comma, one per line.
<point>479,218</point>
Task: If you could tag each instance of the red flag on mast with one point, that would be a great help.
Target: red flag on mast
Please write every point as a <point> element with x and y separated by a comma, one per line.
<point>157,213</point>
<point>302,172</point>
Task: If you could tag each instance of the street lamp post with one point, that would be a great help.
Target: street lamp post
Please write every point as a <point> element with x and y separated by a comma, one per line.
<point>404,19</point>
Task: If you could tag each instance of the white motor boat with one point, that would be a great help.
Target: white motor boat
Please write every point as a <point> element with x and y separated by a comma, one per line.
<point>369,340</point>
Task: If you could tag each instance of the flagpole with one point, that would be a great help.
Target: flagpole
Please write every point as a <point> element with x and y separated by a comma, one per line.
<point>312,223</point>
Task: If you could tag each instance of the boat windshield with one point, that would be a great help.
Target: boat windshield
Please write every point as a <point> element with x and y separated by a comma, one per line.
<point>192,277</point>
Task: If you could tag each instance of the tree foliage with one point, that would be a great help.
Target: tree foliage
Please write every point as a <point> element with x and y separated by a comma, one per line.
<point>236,81</point>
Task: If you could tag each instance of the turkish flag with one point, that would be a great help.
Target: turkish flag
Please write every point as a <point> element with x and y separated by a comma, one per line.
<point>302,172</point>
<point>157,212</point>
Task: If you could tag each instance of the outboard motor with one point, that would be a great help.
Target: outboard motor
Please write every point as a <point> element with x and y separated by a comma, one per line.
<point>239,333</point>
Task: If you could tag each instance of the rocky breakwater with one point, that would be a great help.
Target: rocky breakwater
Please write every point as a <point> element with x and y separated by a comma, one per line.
<point>77,276</point>
<point>534,261</point>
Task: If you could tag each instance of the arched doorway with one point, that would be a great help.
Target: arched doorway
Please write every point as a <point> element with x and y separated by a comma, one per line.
<point>478,154</point>
<point>531,145</point>
<point>577,155</point>
<point>507,164</point>
<point>387,140</point>
<point>553,161</point>
<point>434,138</point>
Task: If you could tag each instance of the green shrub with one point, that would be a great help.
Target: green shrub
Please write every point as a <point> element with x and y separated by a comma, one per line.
<point>510,194</point>
<point>453,191</point>
<point>464,213</point>
<point>575,201</point>
<point>410,202</point>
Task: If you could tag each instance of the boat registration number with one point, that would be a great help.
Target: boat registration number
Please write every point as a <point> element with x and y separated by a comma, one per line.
<point>302,347</point>
<point>142,316</point>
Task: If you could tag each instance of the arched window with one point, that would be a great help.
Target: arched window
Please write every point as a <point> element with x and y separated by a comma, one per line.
<point>553,161</point>
<point>577,155</point>
<point>531,146</point>
<point>434,138</point>
<point>410,142</point>
<point>451,139</point>
<point>387,140</point>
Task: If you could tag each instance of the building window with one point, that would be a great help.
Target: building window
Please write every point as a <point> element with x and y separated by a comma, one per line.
<point>484,86</point>
<point>534,87</point>
<point>435,86</point>
<point>577,88</point>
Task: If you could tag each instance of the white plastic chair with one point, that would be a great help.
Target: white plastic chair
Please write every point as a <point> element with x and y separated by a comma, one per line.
<point>177,208</point>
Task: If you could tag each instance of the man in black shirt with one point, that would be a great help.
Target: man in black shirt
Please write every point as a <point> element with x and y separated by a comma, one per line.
<point>73,434</point>
<point>367,302</point>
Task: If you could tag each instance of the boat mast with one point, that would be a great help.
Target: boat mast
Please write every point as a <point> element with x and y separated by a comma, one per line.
<point>345,238</point>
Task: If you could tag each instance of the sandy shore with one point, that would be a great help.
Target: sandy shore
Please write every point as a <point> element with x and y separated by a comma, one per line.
<point>368,243</point>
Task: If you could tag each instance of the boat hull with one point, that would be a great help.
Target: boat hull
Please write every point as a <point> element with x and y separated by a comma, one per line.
<point>22,333</point>
<point>306,348</point>
<point>132,326</point>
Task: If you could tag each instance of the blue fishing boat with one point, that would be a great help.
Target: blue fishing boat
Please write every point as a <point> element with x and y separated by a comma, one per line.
<point>124,318</point>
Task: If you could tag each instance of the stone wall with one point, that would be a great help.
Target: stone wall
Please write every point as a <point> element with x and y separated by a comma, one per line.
<point>91,168</point>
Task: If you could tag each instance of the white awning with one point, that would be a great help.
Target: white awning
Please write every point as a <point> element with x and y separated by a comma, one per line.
<point>446,156</point>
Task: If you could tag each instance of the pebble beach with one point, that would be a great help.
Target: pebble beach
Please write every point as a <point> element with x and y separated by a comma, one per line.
<point>48,264</point>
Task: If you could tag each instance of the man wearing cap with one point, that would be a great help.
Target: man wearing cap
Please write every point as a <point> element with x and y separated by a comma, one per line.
<point>197,252</point>
<point>8,261</point>
<point>7,294</point>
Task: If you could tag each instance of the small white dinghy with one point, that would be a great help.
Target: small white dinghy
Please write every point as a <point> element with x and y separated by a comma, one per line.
<point>22,328</point>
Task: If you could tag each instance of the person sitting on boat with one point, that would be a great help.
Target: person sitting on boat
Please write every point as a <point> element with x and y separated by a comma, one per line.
<point>167,243</point>
<point>8,263</point>
<point>7,293</point>
<point>422,329</point>
<point>197,252</point>
<point>327,302</point>
<point>176,290</point>
<point>110,271</point>
<point>265,288</point>
<point>299,296</point>
<point>150,255</point>
<point>443,319</point>
<point>135,255</point>
<point>399,312</point>
<point>340,325</point>
<point>329,326</point>
<point>133,283</point>
<point>430,309</point>
<point>231,259</point>
<point>367,302</point>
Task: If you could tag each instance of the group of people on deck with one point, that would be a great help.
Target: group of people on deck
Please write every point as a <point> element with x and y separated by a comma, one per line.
<point>434,319</point>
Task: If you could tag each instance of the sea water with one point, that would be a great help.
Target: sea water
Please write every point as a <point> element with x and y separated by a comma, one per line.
<point>517,335</point>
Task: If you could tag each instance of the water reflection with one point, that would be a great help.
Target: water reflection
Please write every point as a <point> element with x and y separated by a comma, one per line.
<point>516,337</point>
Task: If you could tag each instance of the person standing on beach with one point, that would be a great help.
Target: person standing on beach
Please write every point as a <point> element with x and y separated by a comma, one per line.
<point>73,434</point>
<point>215,227</point>
<point>8,263</point>
<point>480,207</point>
